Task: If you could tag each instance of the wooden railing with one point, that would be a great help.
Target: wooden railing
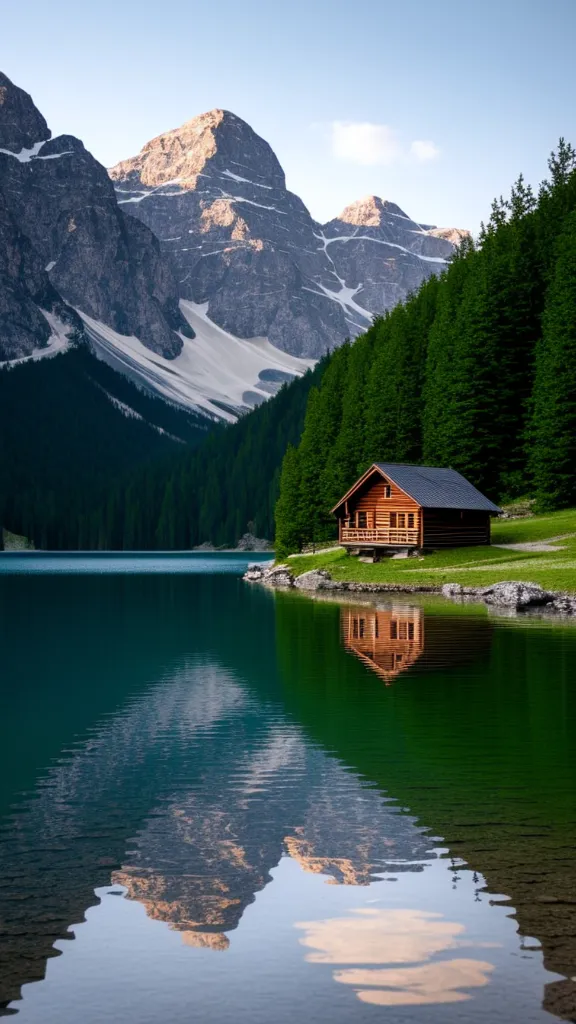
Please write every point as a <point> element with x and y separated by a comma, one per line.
<point>378,536</point>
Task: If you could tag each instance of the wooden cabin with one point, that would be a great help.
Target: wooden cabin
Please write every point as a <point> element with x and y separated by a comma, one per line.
<point>394,506</point>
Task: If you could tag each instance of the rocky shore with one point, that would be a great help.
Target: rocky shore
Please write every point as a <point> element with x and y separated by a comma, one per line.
<point>517,596</point>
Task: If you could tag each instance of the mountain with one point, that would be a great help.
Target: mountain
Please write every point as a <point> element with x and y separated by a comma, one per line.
<point>202,278</point>
<point>65,239</point>
<point>249,255</point>
<point>73,266</point>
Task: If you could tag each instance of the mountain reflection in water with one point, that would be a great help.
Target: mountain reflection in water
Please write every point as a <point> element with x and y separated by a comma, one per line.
<point>219,756</point>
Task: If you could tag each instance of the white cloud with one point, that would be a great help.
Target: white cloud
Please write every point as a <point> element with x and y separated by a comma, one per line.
<point>362,142</point>
<point>365,143</point>
<point>424,150</point>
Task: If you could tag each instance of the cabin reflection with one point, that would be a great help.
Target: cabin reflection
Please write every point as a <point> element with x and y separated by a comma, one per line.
<point>391,640</point>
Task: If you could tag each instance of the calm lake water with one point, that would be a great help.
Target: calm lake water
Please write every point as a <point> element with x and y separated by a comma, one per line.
<point>221,804</point>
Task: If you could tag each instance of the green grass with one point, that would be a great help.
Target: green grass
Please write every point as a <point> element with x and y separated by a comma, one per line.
<point>515,531</point>
<point>555,570</point>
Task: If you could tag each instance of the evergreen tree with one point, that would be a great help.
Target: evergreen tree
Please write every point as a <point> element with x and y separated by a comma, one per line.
<point>321,428</point>
<point>553,457</point>
<point>290,523</point>
<point>346,456</point>
<point>395,381</point>
<point>440,415</point>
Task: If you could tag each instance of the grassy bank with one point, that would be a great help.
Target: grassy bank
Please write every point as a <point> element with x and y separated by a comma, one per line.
<point>555,569</point>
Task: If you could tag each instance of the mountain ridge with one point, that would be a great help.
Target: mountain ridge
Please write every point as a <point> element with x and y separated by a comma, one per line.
<point>191,268</point>
<point>214,193</point>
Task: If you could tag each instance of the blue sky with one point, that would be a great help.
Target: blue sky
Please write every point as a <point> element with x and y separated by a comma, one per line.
<point>436,106</point>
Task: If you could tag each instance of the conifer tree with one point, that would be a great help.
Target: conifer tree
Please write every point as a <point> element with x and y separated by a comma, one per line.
<point>346,457</point>
<point>396,377</point>
<point>321,428</point>
<point>553,458</point>
<point>439,419</point>
<point>290,525</point>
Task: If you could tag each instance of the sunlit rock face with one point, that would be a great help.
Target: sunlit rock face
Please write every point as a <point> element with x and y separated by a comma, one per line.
<point>215,194</point>
<point>64,237</point>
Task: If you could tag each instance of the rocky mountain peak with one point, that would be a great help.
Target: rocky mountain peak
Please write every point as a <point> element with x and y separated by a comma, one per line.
<point>65,240</point>
<point>22,126</point>
<point>453,235</point>
<point>369,212</point>
<point>214,142</point>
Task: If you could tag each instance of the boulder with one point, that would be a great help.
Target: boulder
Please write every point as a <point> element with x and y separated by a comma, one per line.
<point>254,573</point>
<point>564,604</point>
<point>315,579</point>
<point>517,595</point>
<point>452,590</point>
<point>277,576</point>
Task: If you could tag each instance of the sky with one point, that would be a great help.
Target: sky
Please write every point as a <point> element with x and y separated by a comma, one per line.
<point>436,106</point>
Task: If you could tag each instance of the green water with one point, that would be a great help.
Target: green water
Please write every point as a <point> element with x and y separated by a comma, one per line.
<point>187,761</point>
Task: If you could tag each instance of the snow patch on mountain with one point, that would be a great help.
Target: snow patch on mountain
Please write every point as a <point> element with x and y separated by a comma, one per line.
<point>57,342</point>
<point>381,241</point>
<point>131,414</point>
<point>26,155</point>
<point>216,373</point>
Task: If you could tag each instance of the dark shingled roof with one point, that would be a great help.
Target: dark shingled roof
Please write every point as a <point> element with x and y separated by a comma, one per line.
<point>437,488</point>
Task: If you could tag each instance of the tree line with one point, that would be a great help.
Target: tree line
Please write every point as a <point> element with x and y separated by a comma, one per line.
<point>90,462</point>
<point>476,371</point>
<point>72,428</point>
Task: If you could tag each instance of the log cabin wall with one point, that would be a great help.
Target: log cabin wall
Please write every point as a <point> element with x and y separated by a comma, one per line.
<point>372,501</point>
<point>450,528</point>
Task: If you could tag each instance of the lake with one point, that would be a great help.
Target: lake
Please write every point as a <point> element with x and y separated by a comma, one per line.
<point>224,804</point>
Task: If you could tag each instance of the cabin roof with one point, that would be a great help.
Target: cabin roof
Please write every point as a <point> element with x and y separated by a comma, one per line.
<point>431,487</point>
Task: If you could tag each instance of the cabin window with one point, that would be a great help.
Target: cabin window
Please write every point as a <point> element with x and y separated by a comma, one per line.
<point>393,520</point>
<point>376,629</point>
<point>393,630</point>
<point>355,628</point>
<point>387,491</point>
<point>410,520</point>
<point>410,630</point>
<point>361,517</point>
<point>401,520</point>
<point>403,631</point>
<point>362,627</point>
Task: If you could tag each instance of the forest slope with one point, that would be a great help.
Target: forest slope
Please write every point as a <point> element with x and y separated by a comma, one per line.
<point>476,371</point>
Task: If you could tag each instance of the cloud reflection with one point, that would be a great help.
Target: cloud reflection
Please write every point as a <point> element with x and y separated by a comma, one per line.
<point>395,937</point>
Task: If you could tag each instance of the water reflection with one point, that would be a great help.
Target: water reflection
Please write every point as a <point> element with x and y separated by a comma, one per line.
<point>388,641</point>
<point>222,788</point>
<point>217,756</point>
<point>392,639</point>
<point>200,860</point>
<point>381,938</point>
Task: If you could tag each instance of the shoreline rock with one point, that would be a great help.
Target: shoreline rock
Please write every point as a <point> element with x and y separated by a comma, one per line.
<point>516,596</point>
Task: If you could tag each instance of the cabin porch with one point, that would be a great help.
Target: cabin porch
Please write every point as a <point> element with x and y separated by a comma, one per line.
<point>386,529</point>
<point>379,538</point>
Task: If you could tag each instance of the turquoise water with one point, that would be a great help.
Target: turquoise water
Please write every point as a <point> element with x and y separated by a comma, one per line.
<point>139,562</point>
<point>220,804</point>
